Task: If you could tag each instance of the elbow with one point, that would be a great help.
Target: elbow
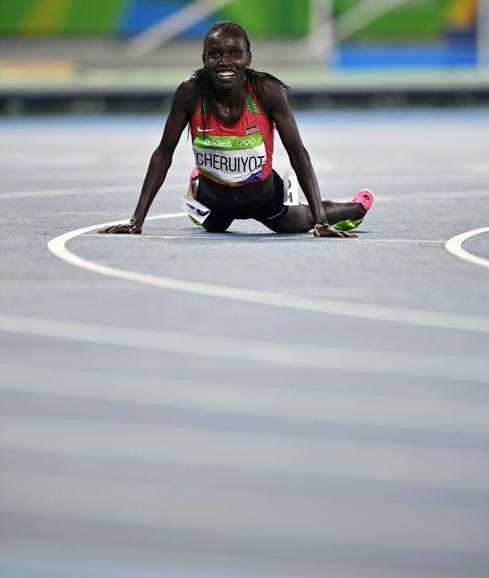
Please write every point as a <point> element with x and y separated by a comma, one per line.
<point>162,157</point>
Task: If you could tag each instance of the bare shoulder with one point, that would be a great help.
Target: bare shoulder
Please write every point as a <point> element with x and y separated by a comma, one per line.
<point>271,94</point>
<point>185,96</point>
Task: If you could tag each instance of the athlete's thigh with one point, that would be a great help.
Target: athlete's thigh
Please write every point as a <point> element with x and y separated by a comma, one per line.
<point>297,219</point>
<point>218,220</point>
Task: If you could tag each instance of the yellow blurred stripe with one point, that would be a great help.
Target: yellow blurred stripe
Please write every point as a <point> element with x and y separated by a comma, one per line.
<point>45,16</point>
<point>39,69</point>
<point>462,13</point>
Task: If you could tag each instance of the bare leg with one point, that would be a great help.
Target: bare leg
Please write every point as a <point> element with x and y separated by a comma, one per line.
<point>336,212</point>
<point>299,219</point>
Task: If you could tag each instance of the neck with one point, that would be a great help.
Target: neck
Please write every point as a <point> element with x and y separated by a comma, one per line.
<point>232,95</point>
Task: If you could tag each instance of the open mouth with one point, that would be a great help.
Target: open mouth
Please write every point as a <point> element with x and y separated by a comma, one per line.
<point>225,74</point>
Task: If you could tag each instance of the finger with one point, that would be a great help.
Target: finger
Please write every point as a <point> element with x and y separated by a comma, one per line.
<point>328,232</point>
<point>323,233</point>
<point>121,229</point>
<point>342,234</point>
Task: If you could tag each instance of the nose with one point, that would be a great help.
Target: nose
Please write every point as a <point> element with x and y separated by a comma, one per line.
<point>225,58</point>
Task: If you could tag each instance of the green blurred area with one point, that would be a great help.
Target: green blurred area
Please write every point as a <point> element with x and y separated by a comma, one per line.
<point>59,17</point>
<point>13,15</point>
<point>413,20</point>
<point>80,16</point>
<point>271,18</point>
<point>417,20</point>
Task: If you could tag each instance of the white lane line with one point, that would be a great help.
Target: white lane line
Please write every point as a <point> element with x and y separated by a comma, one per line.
<point>372,460</point>
<point>454,246</point>
<point>55,285</point>
<point>261,237</point>
<point>91,174</point>
<point>438,195</point>
<point>101,190</point>
<point>402,241</point>
<point>458,368</point>
<point>419,317</point>
<point>398,179</point>
<point>478,168</point>
<point>176,187</point>
<point>35,160</point>
<point>375,410</point>
<point>67,192</point>
<point>248,514</point>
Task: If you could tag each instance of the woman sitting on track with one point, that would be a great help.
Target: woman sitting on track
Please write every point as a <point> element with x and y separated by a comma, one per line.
<point>232,111</point>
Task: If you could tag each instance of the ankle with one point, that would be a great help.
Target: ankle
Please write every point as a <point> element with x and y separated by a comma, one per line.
<point>358,210</point>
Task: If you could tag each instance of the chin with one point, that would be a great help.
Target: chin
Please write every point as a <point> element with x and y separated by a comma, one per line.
<point>232,83</point>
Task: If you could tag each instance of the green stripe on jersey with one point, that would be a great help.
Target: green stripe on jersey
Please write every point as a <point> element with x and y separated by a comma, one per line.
<point>204,107</point>
<point>250,104</point>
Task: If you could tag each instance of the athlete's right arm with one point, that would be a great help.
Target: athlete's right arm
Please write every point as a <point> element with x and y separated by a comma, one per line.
<point>181,111</point>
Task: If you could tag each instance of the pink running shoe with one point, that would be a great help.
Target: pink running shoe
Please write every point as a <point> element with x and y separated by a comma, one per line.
<point>193,183</point>
<point>365,197</point>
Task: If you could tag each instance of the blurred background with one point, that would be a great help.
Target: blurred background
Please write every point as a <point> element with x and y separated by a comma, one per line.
<point>80,55</point>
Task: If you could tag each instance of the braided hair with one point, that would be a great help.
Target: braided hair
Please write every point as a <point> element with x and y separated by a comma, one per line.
<point>204,87</point>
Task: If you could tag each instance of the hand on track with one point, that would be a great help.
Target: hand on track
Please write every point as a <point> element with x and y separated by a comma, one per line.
<point>323,230</point>
<point>121,230</point>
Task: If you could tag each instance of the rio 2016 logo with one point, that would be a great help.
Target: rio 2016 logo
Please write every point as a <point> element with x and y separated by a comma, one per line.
<point>224,144</point>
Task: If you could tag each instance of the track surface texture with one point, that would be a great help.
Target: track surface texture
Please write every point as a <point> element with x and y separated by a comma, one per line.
<point>182,404</point>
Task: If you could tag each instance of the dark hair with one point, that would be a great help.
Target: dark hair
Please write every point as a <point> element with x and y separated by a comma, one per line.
<point>227,25</point>
<point>205,90</point>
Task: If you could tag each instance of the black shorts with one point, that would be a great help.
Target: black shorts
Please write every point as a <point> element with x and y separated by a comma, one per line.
<point>270,208</point>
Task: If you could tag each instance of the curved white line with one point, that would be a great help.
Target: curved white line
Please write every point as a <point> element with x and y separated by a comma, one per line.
<point>421,317</point>
<point>454,246</point>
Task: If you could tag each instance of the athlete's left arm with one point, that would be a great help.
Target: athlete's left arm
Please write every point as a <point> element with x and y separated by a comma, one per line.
<point>278,109</point>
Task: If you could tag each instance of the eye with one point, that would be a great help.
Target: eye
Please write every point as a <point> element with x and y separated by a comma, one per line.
<point>235,52</point>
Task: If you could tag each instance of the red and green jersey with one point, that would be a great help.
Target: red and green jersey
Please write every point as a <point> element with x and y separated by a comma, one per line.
<point>233,155</point>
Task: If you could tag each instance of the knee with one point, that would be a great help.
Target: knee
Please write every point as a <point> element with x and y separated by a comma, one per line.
<point>216,226</point>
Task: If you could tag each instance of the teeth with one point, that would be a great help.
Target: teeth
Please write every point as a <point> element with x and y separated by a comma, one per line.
<point>225,74</point>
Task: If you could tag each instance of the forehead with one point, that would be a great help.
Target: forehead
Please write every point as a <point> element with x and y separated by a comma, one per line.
<point>226,39</point>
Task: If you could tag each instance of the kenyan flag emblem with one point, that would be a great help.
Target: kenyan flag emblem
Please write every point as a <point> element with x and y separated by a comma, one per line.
<point>251,129</point>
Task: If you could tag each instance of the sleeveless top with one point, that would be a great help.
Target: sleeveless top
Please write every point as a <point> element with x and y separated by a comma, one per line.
<point>233,155</point>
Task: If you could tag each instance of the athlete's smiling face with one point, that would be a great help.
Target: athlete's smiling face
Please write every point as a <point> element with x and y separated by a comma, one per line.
<point>226,58</point>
